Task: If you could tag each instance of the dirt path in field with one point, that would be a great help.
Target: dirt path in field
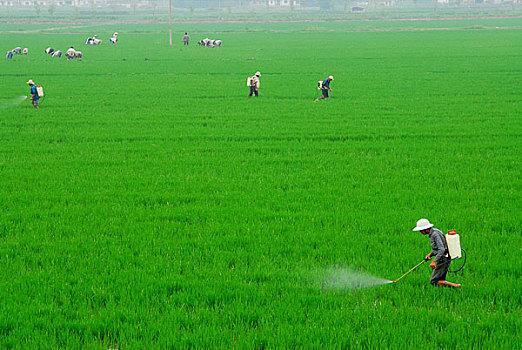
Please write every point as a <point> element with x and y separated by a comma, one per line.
<point>43,31</point>
<point>69,26</point>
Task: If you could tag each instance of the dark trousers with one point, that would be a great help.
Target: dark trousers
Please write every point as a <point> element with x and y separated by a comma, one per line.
<point>440,272</point>
<point>253,91</point>
<point>325,93</point>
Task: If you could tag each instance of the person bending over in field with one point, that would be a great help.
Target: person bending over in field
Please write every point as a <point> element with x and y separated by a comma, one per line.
<point>441,263</point>
<point>253,83</point>
<point>324,86</point>
<point>114,39</point>
<point>34,93</point>
<point>70,53</point>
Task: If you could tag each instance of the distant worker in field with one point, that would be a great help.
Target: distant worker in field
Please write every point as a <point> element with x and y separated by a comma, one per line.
<point>25,51</point>
<point>186,39</point>
<point>93,41</point>
<point>49,50</point>
<point>114,39</point>
<point>70,53</point>
<point>57,53</point>
<point>9,55</point>
<point>324,86</point>
<point>34,93</point>
<point>253,83</point>
<point>441,263</point>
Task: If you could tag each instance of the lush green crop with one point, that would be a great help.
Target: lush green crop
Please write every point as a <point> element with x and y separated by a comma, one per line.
<point>150,204</point>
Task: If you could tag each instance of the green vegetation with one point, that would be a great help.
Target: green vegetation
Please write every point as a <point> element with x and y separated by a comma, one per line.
<point>150,204</point>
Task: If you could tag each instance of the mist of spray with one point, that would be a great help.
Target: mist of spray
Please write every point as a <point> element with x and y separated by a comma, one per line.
<point>343,278</point>
<point>12,102</point>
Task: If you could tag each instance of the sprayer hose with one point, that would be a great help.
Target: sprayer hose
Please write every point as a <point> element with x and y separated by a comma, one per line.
<point>464,263</point>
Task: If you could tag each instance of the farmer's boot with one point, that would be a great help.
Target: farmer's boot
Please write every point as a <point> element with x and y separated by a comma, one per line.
<point>448,284</point>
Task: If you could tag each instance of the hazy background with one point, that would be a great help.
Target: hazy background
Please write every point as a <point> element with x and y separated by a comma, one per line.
<point>255,10</point>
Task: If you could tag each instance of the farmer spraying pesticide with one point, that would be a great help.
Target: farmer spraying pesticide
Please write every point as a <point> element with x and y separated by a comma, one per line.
<point>324,86</point>
<point>440,253</point>
<point>36,93</point>
<point>253,83</point>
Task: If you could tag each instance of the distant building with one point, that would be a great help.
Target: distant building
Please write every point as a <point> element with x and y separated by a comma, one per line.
<point>386,3</point>
<point>358,9</point>
<point>284,3</point>
<point>80,3</point>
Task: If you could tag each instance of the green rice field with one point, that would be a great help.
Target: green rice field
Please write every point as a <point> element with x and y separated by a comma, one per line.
<point>149,204</point>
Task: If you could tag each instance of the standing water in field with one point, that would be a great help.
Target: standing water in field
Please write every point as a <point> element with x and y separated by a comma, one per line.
<point>342,278</point>
<point>8,103</point>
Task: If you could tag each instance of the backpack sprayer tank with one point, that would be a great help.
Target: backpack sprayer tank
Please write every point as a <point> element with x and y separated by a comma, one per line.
<point>453,241</point>
<point>40,91</point>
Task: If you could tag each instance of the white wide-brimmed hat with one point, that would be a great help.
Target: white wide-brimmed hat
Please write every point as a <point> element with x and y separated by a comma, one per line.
<point>330,77</point>
<point>258,74</point>
<point>423,224</point>
<point>30,82</point>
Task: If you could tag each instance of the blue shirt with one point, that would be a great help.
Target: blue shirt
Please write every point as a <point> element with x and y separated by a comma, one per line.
<point>326,83</point>
<point>34,92</point>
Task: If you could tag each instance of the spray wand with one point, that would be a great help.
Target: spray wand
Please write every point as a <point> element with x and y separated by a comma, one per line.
<point>413,268</point>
